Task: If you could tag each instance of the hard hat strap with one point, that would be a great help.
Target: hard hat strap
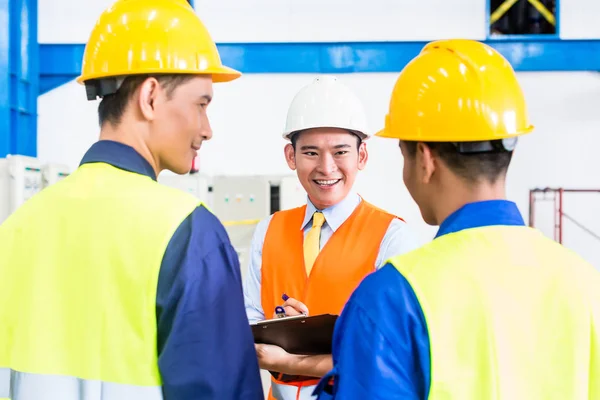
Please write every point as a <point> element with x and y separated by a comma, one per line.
<point>98,88</point>
<point>486,146</point>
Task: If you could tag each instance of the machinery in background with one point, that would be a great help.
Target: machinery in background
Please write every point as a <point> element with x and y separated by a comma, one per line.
<point>22,177</point>
<point>238,200</point>
<point>195,183</point>
<point>53,173</point>
<point>241,202</point>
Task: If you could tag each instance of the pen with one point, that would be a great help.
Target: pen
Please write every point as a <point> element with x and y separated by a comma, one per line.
<point>285,297</point>
<point>279,312</point>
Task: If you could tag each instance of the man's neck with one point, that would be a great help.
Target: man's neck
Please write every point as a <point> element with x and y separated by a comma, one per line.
<point>454,198</point>
<point>121,135</point>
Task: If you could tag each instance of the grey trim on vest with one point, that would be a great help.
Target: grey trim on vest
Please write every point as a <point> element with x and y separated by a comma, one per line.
<point>4,382</point>
<point>25,386</point>
<point>284,392</point>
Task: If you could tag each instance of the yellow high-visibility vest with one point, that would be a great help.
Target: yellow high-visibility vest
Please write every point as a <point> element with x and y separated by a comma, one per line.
<point>510,315</point>
<point>79,266</point>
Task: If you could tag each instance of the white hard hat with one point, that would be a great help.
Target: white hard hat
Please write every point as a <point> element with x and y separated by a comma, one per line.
<point>326,103</point>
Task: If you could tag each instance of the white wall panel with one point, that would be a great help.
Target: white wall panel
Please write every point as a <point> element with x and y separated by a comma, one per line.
<point>70,21</point>
<point>339,20</point>
<point>579,19</point>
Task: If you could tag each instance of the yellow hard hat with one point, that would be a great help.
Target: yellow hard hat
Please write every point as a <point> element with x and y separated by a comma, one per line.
<point>151,37</point>
<point>457,91</point>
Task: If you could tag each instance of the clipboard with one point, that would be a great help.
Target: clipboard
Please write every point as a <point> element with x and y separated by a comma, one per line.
<point>300,334</point>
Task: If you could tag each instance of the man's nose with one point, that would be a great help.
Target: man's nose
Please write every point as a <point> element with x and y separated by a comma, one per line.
<point>207,132</point>
<point>327,164</point>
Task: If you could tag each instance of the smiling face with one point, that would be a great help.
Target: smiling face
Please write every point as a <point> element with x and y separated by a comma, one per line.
<point>326,161</point>
<point>179,122</point>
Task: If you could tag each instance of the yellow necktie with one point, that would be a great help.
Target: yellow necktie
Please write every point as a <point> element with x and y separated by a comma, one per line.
<point>312,242</point>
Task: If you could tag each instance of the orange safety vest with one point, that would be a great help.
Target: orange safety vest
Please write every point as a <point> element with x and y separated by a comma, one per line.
<point>347,257</point>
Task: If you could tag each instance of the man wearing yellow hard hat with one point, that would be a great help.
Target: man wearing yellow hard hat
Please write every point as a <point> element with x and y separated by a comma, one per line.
<point>490,309</point>
<point>111,285</point>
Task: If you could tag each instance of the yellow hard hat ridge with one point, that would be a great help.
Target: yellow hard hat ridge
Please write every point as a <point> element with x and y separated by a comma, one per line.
<point>151,37</point>
<point>456,91</point>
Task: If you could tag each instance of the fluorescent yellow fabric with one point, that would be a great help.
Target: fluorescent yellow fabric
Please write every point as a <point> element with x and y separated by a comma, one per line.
<point>312,242</point>
<point>510,315</point>
<point>79,268</point>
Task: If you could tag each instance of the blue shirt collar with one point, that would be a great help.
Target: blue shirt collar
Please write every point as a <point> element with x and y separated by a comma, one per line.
<point>336,214</point>
<point>482,213</point>
<point>118,155</point>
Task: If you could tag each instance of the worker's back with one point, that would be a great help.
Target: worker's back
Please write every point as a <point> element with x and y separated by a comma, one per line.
<point>79,266</point>
<point>510,315</point>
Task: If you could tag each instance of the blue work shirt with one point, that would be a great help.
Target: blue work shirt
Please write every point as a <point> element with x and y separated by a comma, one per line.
<point>205,345</point>
<point>384,354</point>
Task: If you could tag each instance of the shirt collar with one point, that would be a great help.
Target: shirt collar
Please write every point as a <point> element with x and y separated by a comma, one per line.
<point>336,214</point>
<point>118,155</point>
<point>482,213</point>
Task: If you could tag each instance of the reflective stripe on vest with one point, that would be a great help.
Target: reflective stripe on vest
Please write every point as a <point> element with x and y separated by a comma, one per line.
<point>4,383</point>
<point>510,315</point>
<point>82,304</point>
<point>25,386</point>
<point>284,392</point>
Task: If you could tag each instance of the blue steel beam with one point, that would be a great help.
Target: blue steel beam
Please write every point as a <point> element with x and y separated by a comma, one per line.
<point>61,63</point>
<point>5,93</point>
<point>19,77</point>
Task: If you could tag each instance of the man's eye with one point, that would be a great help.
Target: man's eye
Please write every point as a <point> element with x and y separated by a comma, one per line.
<point>341,153</point>
<point>310,153</point>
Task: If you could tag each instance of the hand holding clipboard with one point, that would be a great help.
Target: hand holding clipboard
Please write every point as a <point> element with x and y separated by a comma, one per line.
<point>296,334</point>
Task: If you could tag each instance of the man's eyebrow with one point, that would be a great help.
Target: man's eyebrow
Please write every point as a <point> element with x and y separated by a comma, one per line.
<point>309,148</point>
<point>337,146</point>
<point>206,97</point>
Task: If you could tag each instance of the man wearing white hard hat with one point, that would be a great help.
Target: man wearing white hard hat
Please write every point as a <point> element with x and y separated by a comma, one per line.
<point>289,265</point>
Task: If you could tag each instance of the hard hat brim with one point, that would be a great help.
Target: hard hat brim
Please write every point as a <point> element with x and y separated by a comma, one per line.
<point>219,74</point>
<point>386,134</point>
<point>363,136</point>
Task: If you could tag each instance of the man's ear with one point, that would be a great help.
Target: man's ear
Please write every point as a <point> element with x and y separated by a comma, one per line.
<point>363,156</point>
<point>290,156</point>
<point>426,162</point>
<point>148,92</point>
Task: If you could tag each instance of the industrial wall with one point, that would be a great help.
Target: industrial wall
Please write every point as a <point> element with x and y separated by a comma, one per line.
<point>248,114</point>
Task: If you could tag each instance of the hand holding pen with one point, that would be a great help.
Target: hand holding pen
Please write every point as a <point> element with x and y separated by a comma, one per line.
<point>291,307</point>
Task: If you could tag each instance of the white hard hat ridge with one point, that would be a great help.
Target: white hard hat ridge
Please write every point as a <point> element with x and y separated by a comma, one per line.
<point>326,103</point>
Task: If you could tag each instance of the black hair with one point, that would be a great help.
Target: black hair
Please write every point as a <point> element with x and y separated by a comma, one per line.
<point>487,160</point>
<point>113,106</point>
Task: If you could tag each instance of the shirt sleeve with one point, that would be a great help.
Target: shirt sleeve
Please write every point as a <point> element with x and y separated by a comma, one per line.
<point>252,292</point>
<point>205,345</point>
<point>398,239</point>
<point>381,344</point>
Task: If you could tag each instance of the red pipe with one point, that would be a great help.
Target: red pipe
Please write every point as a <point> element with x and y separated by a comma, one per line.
<point>565,190</point>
